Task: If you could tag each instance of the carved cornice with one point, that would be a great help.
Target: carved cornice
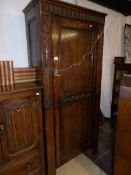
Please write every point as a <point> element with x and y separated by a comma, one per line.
<point>67,10</point>
<point>71,11</point>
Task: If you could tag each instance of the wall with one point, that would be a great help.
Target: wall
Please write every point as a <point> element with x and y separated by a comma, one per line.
<point>13,40</point>
<point>12,32</point>
<point>128,20</point>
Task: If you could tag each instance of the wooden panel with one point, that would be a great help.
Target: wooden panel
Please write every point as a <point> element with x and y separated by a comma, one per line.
<point>72,80</point>
<point>21,126</point>
<point>21,131</point>
<point>123,144</point>
<point>70,11</point>
<point>122,166</point>
<point>122,162</point>
<point>120,69</point>
<point>73,85</point>
<point>74,128</point>
<point>124,121</point>
<point>29,165</point>
<point>46,76</point>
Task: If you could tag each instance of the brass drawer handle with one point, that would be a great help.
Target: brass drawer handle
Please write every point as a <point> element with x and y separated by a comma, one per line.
<point>29,166</point>
<point>2,128</point>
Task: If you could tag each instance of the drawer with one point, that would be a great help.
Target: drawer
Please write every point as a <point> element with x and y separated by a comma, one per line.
<point>28,166</point>
<point>122,166</point>
<point>123,144</point>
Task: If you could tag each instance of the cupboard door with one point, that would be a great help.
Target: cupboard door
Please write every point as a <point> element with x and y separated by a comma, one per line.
<point>20,123</point>
<point>72,42</point>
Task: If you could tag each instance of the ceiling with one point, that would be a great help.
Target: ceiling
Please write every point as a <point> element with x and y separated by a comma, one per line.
<point>122,6</point>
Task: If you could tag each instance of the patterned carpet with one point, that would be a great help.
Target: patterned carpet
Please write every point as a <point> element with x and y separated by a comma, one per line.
<point>80,165</point>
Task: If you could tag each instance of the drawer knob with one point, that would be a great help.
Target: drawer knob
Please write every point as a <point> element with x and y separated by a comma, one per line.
<point>29,166</point>
<point>37,93</point>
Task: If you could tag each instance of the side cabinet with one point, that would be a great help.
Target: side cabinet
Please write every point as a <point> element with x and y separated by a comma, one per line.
<point>21,134</point>
<point>122,151</point>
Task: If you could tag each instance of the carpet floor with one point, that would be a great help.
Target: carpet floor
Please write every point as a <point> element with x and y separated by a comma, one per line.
<point>80,165</point>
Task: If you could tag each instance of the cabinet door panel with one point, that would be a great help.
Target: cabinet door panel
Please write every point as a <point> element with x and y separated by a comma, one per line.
<point>72,41</point>
<point>21,126</point>
<point>75,135</point>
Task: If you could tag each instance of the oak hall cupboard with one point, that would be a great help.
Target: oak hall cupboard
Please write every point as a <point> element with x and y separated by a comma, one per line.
<point>65,44</point>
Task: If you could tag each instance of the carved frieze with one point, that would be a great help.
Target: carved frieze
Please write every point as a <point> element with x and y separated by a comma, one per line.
<point>69,11</point>
<point>76,97</point>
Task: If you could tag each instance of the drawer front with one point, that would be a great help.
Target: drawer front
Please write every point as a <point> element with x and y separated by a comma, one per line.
<point>123,144</point>
<point>29,166</point>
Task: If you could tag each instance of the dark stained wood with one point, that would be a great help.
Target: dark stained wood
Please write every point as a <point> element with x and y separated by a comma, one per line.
<point>47,80</point>
<point>44,11</point>
<point>122,161</point>
<point>122,166</point>
<point>122,6</point>
<point>123,140</point>
<point>67,10</point>
<point>16,88</point>
<point>21,131</point>
<point>96,86</point>
<point>73,92</point>
<point>124,120</point>
<point>120,68</point>
<point>24,167</point>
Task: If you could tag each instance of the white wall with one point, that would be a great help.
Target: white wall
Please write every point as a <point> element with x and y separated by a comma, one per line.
<point>12,32</point>
<point>128,20</point>
<point>13,40</point>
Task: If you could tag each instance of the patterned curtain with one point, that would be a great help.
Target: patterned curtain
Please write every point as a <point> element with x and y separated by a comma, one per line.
<point>128,43</point>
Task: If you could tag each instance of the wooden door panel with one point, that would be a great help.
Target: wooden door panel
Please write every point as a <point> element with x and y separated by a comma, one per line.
<point>74,127</point>
<point>71,43</point>
<point>20,124</point>
<point>20,127</point>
